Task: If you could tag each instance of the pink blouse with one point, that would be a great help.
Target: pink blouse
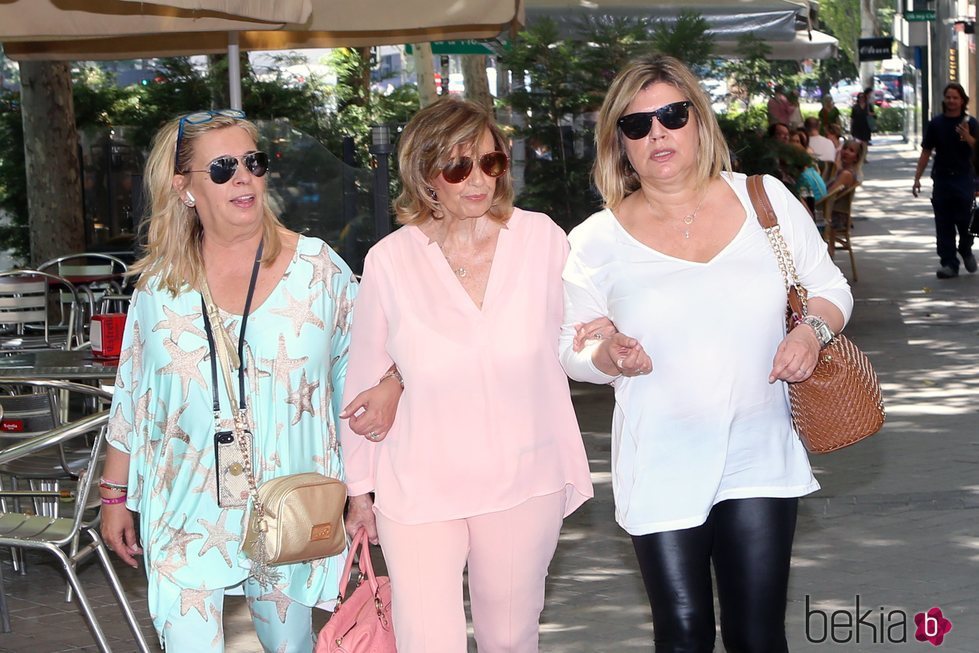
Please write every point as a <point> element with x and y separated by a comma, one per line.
<point>485,421</point>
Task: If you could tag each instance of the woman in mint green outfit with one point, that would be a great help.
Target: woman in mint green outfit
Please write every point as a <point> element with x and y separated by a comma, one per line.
<point>210,224</point>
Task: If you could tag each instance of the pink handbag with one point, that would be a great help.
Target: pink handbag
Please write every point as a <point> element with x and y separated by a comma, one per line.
<point>361,623</point>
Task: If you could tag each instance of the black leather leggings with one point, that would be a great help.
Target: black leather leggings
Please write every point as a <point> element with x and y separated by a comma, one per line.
<point>750,543</point>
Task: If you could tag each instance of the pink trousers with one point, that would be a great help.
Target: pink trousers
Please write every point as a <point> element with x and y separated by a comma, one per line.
<point>507,554</point>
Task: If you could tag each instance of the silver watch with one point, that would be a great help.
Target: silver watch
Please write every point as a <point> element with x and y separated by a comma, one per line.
<point>824,334</point>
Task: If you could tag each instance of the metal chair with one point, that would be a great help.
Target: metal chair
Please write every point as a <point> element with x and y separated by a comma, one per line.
<point>94,275</point>
<point>55,534</point>
<point>29,319</point>
<point>31,408</point>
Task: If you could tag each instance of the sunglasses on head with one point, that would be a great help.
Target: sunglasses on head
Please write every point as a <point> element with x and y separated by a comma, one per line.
<point>493,164</point>
<point>199,118</point>
<point>223,168</point>
<point>671,116</point>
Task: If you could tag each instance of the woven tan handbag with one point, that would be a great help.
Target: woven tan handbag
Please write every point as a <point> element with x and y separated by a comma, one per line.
<point>841,402</point>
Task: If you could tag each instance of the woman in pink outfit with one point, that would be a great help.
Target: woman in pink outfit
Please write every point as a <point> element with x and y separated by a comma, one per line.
<point>484,458</point>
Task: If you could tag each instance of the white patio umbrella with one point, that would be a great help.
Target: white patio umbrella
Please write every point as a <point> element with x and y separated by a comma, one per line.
<point>314,24</point>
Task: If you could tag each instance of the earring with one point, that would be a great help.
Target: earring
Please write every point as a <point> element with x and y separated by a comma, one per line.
<point>436,212</point>
<point>191,201</point>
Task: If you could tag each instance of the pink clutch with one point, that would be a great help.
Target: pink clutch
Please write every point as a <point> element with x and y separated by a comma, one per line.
<point>361,622</point>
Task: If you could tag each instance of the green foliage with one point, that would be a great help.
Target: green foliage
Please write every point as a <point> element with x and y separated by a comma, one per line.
<point>687,39</point>
<point>890,120</point>
<point>753,119</point>
<point>842,17</point>
<point>568,78</point>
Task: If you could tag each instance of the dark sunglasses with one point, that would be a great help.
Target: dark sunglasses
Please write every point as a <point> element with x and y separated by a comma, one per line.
<point>199,118</point>
<point>223,168</point>
<point>493,164</point>
<point>671,116</point>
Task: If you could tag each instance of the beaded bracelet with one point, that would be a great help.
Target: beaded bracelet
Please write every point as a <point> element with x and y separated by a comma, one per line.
<point>109,502</point>
<point>112,485</point>
<point>396,373</point>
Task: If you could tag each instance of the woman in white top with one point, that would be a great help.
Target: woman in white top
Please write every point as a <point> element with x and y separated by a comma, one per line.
<point>706,464</point>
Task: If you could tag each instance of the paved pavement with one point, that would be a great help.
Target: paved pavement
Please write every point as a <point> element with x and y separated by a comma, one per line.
<point>894,527</point>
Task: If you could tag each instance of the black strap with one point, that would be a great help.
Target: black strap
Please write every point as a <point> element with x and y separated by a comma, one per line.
<point>241,340</point>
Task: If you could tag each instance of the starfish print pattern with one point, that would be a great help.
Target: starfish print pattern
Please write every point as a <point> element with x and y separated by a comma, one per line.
<point>282,365</point>
<point>251,609</point>
<point>191,598</point>
<point>300,312</point>
<point>161,413</point>
<point>302,398</point>
<point>170,425</point>
<point>218,537</point>
<point>282,602</point>
<point>324,269</point>
<point>179,324</point>
<point>120,429</point>
<point>219,636</point>
<point>343,307</point>
<point>185,365</point>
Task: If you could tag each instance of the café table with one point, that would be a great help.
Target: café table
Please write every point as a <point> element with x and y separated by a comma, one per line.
<point>73,365</point>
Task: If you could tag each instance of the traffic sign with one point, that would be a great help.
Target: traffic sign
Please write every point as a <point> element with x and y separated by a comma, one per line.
<point>467,46</point>
<point>919,15</point>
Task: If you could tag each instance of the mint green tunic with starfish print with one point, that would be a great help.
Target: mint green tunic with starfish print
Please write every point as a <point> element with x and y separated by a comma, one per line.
<point>296,358</point>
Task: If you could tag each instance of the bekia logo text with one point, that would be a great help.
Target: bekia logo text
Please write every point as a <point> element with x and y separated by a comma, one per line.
<point>880,626</point>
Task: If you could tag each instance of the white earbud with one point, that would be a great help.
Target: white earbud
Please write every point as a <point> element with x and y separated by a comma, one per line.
<point>191,200</point>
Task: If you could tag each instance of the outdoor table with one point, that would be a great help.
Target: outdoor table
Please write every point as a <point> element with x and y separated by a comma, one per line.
<point>74,365</point>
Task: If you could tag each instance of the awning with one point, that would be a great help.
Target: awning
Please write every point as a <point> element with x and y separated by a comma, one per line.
<point>768,20</point>
<point>805,45</point>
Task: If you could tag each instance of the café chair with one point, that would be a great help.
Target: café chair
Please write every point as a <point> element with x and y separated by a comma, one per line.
<point>32,407</point>
<point>30,318</point>
<point>94,275</point>
<point>59,536</point>
<point>838,225</point>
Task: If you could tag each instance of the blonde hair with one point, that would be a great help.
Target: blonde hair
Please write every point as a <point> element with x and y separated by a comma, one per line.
<point>613,174</point>
<point>172,232</point>
<point>426,145</point>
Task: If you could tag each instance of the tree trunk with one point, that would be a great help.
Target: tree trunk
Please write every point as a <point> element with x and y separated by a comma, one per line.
<point>54,186</point>
<point>477,83</point>
<point>425,74</point>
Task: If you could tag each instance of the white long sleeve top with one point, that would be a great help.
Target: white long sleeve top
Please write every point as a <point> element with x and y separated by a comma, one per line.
<point>705,425</point>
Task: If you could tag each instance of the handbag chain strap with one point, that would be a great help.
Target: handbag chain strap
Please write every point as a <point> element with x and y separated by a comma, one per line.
<point>261,571</point>
<point>769,223</point>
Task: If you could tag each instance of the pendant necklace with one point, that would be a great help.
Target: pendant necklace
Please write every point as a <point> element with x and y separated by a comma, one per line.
<point>460,271</point>
<point>686,220</point>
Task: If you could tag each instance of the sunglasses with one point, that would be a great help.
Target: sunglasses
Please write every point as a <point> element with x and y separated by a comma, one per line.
<point>493,164</point>
<point>671,116</point>
<point>223,168</point>
<point>199,118</point>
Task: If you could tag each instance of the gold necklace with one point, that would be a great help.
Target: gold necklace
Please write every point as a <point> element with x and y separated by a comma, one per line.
<point>460,271</point>
<point>686,220</point>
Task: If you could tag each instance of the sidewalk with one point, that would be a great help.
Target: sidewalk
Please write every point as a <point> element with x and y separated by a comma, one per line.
<point>895,523</point>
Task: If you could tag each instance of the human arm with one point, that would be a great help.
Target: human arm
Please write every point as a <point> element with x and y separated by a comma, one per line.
<point>597,360</point>
<point>920,170</point>
<point>360,514</point>
<point>367,361</point>
<point>118,527</point>
<point>371,413</point>
<point>829,293</point>
<point>843,180</point>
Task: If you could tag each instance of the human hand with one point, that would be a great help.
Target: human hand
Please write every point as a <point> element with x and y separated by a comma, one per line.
<point>371,413</point>
<point>360,514</point>
<point>796,356</point>
<point>119,532</point>
<point>623,355</point>
<point>916,187</point>
<point>597,329</point>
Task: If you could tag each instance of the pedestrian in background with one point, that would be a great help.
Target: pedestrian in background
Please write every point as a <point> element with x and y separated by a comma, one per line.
<point>951,135</point>
<point>860,118</point>
<point>707,467</point>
